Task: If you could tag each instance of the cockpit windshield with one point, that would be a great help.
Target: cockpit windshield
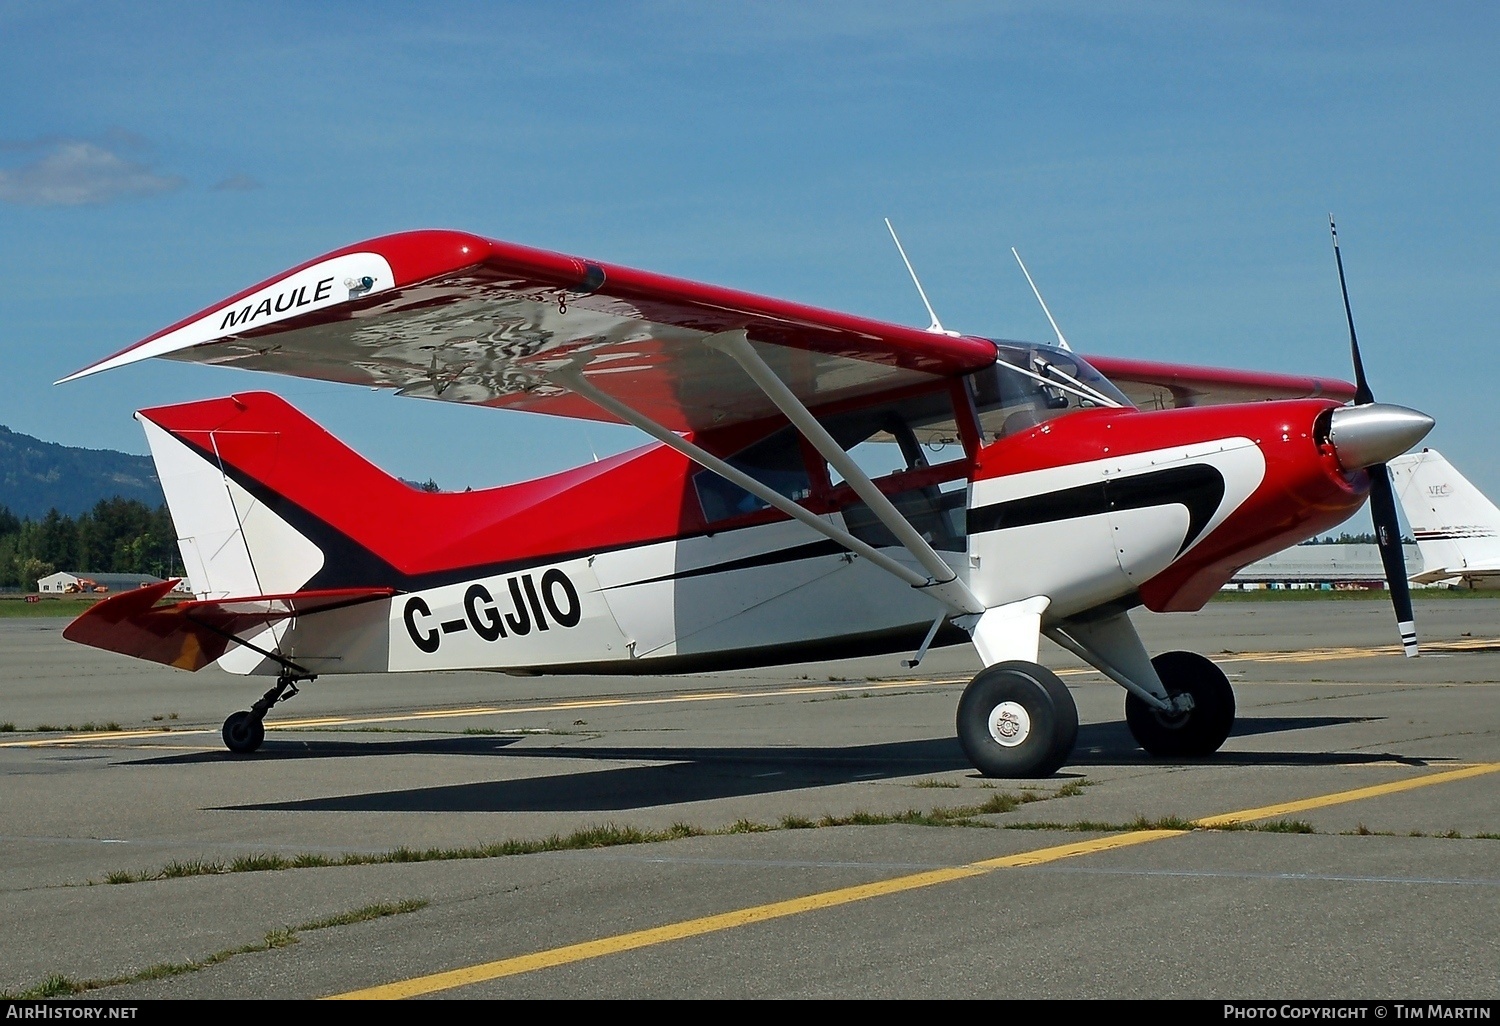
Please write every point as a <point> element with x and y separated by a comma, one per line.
<point>1030,383</point>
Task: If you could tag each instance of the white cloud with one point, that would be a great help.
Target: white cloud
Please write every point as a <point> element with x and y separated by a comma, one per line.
<point>73,172</point>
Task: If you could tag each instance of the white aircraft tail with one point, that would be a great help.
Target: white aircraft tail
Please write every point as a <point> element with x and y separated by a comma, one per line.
<point>1456,527</point>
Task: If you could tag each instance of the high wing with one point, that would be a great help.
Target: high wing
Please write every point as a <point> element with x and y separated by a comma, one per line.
<point>190,635</point>
<point>446,315</point>
<point>452,316</point>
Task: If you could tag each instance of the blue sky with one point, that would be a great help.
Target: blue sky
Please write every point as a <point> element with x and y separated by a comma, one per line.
<point>1165,168</point>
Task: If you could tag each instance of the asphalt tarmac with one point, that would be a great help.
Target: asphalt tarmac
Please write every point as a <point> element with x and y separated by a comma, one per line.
<point>827,837</point>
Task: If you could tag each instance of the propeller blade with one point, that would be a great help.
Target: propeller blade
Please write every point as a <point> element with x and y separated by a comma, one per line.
<point>1382,497</point>
<point>1388,536</point>
<point>1362,393</point>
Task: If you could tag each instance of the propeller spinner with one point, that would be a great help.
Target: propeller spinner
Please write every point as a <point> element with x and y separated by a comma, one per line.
<point>1366,435</point>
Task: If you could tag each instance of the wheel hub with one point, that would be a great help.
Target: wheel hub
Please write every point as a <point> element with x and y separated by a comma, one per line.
<point>1178,715</point>
<point>1009,724</point>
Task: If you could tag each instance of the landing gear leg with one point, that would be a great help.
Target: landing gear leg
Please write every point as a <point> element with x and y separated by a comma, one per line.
<point>1016,719</point>
<point>245,730</point>
<point>1193,732</point>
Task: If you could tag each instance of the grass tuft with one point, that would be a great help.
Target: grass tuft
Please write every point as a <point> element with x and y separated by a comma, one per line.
<point>257,863</point>
<point>57,985</point>
<point>1286,826</point>
<point>1099,827</point>
<point>193,867</point>
<point>929,782</point>
<point>364,915</point>
<point>745,826</point>
<point>606,836</point>
<point>61,986</point>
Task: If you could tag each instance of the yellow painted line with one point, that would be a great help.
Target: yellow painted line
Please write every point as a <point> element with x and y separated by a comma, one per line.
<point>1312,655</point>
<point>488,710</point>
<point>567,954</point>
<point>740,917</point>
<point>1301,656</point>
<point>1358,794</point>
<point>101,735</point>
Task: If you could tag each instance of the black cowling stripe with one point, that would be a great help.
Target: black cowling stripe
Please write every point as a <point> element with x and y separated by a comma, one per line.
<point>1198,486</point>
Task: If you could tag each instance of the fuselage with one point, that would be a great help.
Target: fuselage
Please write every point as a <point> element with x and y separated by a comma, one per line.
<point>646,562</point>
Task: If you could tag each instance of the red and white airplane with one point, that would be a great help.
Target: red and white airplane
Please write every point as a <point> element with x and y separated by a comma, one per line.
<point>1026,491</point>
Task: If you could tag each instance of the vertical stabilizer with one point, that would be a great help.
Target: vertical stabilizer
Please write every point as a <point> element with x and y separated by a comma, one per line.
<point>1456,527</point>
<point>232,544</point>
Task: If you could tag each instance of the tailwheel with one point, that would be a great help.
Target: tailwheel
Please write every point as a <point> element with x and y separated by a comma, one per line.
<point>1016,719</point>
<point>243,732</point>
<point>1196,731</point>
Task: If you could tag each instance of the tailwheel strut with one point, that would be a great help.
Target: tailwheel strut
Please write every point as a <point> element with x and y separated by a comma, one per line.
<point>245,730</point>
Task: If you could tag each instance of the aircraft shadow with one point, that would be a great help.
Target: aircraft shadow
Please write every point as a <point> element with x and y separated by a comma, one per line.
<point>682,775</point>
<point>481,744</point>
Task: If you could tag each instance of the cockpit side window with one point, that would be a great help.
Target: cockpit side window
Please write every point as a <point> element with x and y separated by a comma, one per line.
<point>912,450</point>
<point>912,434</point>
<point>775,461</point>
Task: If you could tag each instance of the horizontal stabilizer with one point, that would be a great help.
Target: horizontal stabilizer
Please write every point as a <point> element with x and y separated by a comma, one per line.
<point>190,635</point>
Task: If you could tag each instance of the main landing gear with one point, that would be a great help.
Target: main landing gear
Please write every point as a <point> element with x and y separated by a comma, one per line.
<point>1016,719</point>
<point>245,730</point>
<point>1199,728</point>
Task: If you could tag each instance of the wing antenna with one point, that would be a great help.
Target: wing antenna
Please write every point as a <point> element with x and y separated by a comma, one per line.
<point>1062,342</point>
<point>936,327</point>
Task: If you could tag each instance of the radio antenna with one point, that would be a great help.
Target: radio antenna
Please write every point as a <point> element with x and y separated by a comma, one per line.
<point>1062,342</point>
<point>936,326</point>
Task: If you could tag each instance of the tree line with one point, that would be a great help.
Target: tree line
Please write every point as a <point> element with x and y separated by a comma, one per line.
<point>122,536</point>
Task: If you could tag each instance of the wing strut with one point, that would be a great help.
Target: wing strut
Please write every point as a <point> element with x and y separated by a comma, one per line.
<point>951,592</point>
<point>943,583</point>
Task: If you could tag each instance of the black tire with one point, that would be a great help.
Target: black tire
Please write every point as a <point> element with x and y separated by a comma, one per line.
<point>243,732</point>
<point>1016,719</point>
<point>1196,733</point>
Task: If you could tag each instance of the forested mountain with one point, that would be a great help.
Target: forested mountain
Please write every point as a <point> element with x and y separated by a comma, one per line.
<point>37,476</point>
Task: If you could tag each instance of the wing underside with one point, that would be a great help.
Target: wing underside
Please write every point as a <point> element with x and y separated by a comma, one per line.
<point>443,315</point>
<point>451,316</point>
